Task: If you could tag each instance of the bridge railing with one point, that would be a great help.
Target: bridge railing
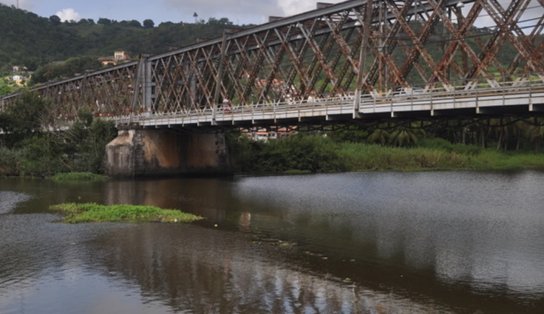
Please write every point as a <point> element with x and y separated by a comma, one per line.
<point>400,101</point>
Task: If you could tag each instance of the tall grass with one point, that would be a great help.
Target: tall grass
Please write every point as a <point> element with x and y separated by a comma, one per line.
<point>494,160</point>
<point>367,157</point>
<point>311,154</point>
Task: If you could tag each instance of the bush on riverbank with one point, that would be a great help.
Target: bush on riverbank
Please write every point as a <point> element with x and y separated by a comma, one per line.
<point>26,149</point>
<point>91,212</point>
<point>311,154</point>
<point>294,154</point>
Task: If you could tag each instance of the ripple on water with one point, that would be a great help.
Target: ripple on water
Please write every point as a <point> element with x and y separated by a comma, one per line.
<point>9,200</point>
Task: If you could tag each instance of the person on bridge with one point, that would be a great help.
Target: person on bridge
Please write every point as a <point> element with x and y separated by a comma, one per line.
<point>227,106</point>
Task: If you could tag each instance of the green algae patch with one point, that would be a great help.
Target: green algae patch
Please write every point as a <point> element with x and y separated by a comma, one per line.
<point>91,212</point>
<point>78,177</point>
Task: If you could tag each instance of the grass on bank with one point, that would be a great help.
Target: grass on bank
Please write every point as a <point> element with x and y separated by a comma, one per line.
<point>91,212</point>
<point>317,154</point>
<point>77,177</point>
<point>367,157</point>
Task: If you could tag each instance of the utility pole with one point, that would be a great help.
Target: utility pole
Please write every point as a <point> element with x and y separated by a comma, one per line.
<point>17,4</point>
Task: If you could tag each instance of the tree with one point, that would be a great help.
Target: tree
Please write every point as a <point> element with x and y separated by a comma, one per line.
<point>86,21</point>
<point>67,68</point>
<point>149,23</point>
<point>222,21</point>
<point>104,21</point>
<point>55,20</point>
<point>26,117</point>
<point>134,23</point>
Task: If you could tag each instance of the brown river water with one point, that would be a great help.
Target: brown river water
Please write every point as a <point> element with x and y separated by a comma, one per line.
<point>461,242</point>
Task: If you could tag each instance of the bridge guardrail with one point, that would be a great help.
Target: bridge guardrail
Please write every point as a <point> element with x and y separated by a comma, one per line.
<point>343,104</point>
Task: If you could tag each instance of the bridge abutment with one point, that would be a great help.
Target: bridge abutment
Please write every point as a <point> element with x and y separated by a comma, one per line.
<point>158,152</point>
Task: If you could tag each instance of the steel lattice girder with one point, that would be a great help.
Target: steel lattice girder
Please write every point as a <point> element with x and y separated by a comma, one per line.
<point>335,50</point>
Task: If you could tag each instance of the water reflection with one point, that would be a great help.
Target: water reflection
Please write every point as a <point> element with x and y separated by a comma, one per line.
<point>9,200</point>
<point>329,243</point>
<point>211,271</point>
<point>154,268</point>
<point>207,197</point>
<point>485,229</point>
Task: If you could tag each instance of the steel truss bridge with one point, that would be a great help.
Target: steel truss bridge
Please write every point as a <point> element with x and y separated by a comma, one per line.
<point>353,60</point>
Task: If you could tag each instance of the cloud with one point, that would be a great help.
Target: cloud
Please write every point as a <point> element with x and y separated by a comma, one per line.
<point>292,7</point>
<point>68,14</point>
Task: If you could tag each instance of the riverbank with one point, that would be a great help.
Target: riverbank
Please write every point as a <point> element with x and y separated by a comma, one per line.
<point>315,154</point>
<point>311,154</point>
<point>365,157</point>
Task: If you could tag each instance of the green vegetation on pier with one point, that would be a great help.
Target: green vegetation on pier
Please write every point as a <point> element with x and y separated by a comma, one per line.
<point>91,212</point>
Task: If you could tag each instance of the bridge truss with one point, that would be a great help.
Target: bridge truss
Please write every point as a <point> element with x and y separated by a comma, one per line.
<point>364,49</point>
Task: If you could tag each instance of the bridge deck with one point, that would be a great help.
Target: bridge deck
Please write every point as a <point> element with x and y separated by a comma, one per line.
<point>421,104</point>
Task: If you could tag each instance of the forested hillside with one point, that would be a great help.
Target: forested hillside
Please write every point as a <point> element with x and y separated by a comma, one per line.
<point>30,40</point>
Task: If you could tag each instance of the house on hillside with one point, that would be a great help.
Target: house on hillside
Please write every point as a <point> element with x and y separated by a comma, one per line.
<point>119,56</point>
<point>20,75</point>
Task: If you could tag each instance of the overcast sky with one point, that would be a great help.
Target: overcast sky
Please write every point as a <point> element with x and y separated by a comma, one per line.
<point>238,11</point>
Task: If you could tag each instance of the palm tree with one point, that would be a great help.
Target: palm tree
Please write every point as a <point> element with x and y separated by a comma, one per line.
<point>404,137</point>
<point>379,136</point>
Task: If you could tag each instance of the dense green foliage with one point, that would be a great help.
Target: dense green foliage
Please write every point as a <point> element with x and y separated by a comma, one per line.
<point>7,87</point>
<point>64,69</point>
<point>392,147</point>
<point>297,153</point>
<point>91,212</point>
<point>29,149</point>
<point>30,40</point>
<point>25,117</point>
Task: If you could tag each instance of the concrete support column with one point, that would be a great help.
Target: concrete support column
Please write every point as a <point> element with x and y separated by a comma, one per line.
<point>158,152</point>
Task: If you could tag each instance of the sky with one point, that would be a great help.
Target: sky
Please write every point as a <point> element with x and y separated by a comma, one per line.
<point>238,11</point>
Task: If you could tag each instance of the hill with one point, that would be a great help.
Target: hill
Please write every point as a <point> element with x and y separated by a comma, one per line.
<point>30,40</point>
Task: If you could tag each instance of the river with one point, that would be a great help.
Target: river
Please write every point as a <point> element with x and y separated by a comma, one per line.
<point>336,243</point>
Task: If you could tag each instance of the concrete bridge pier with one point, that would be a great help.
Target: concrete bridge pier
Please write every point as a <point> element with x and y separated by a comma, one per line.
<point>157,152</point>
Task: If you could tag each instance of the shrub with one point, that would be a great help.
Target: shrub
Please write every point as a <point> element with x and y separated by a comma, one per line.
<point>39,157</point>
<point>296,153</point>
<point>9,161</point>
